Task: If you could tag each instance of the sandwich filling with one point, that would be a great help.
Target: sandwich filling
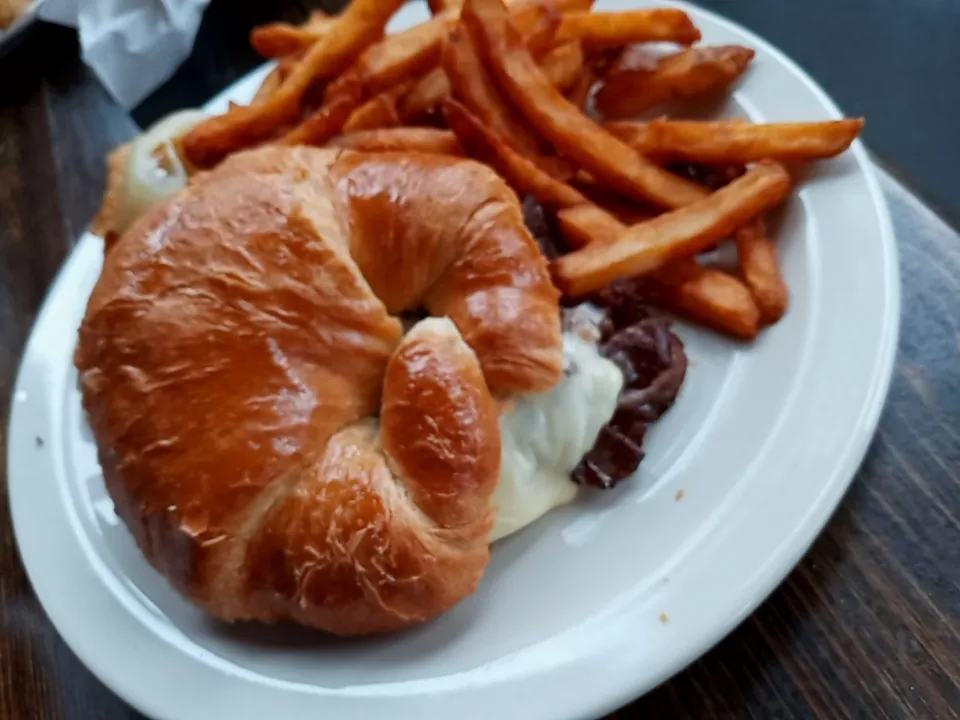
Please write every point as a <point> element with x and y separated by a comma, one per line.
<point>545,436</point>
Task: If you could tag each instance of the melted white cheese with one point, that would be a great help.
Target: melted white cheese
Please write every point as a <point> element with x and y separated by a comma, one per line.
<point>544,436</point>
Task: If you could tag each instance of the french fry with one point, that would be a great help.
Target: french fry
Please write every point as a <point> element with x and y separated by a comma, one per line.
<point>538,24</point>
<point>282,39</point>
<point>379,111</point>
<point>761,270</point>
<point>579,93</point>
<point>330,118</point>
<point>674,235</point>
<point>602,31</point>
<point>401,139</point>
<point>586,224</point>
<point>736,142</point>
<point>632,57</point>
<point>685,74</point>
<point>444,6</point>
<point>712,297</point>
<point>433,88</point>
<point>403,56</point>
<point>270,84</point>
<point>562,6</point>
<point>626,211</point>
<point>426,95</point>
<point>476,90</point>
<point>359,25</point>
<point>563,65</point>
<point>526,177</point>
<point>574,134</point>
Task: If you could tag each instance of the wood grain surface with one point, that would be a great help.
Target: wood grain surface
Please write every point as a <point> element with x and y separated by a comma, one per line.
<point>867,626</point>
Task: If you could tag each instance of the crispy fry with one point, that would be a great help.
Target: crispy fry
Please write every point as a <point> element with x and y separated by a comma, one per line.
<point>403,56</point>
<point>482,143</point>
<point>407,139</point>
<point>627,211</point>
<point>727,141</point>
<point>579,92</point>
<point>441,6</point>
<point>359,25</point>
<point>761,270</point>
<point>632,57</point>
<point>538,24</point>
<point>564,6</point>
<point>710,296</point>
<point>425,96</point>
<point>330,118</point>
<point>696,71</point>
<point>587,224</point>
<point>563,65</point>
<point>476,90</point>
<point>269,86</point>
<point>602,31</point>
<point>574,134</point>
<point>282,39</point>
<point>537,27</point>
<point>448,6</point>
<point>675,235</point>
<point>379,111</point>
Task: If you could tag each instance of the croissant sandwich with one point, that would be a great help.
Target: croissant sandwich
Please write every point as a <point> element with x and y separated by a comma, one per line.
<point>276,442</point>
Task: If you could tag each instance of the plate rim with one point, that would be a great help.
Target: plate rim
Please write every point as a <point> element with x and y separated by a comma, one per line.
<point>627,687</point>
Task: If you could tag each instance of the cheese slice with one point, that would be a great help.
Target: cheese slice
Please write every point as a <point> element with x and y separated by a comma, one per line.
<point>544,436</point>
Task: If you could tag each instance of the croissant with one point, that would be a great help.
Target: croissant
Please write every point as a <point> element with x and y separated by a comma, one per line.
<point>277,445</point>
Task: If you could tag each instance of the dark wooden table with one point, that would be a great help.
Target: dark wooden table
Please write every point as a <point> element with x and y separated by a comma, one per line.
<point>866,626</point>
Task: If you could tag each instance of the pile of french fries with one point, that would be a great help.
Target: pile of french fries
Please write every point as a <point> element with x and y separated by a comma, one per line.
<point>518,86</point>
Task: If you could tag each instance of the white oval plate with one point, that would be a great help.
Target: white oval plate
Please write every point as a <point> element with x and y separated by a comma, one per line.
<point>578,614</point>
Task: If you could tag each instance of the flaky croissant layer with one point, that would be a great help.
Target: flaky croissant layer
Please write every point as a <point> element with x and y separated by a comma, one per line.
<point>277,446</point>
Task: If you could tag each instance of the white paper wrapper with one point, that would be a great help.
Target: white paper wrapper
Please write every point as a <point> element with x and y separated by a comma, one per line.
<point>132,45</point>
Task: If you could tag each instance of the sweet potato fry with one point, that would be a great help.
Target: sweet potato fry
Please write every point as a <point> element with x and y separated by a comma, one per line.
<point>574,134</point>
<point>441,6</point>
<point>282,39</point>
<point>270,84</point>
<point>726,141</point>
<point>380,111</point>
<point>709,296</point>
<point>761,270</point>
<point>674,235</point>
<point>537,24</point>
<point>401,139</point>
<point>330,118</point>
<point>476,90</point>
<point>586,224</point>
<point>426,95</point>
<point>537,27</point>
<point>563,65</point>
<point>627,211</point>
<point>602,31</point>
<point>377,112</point>
<point>685,74</point>
<point>403,56</point>
<point>632,57</point>
<point>712,297</point>
<point>359,25</point>
<point>564,6</point>
<point>482,143</point>
<point>579,92</point>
